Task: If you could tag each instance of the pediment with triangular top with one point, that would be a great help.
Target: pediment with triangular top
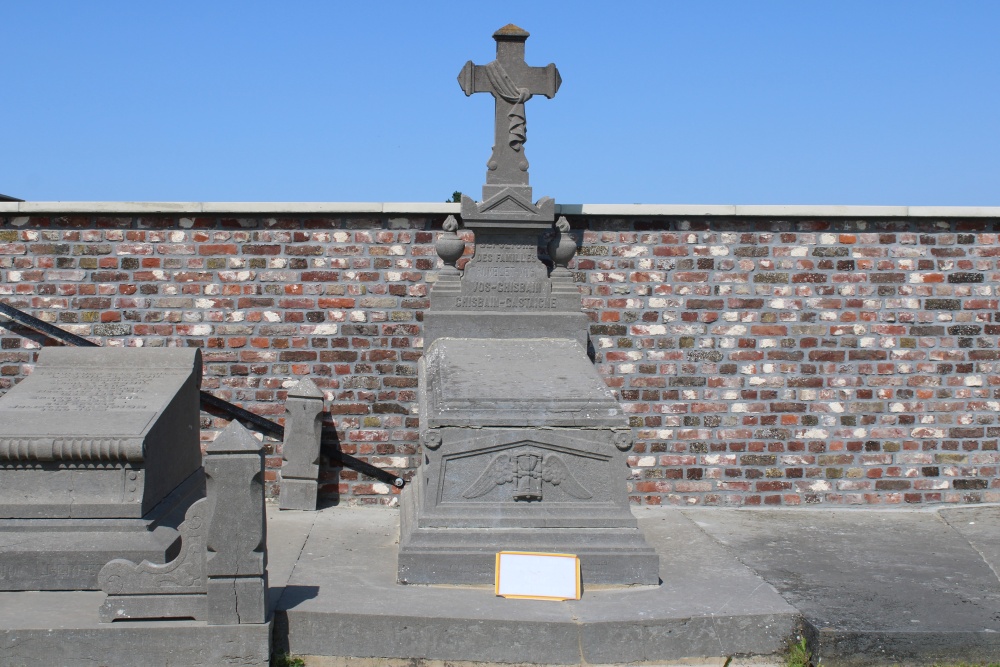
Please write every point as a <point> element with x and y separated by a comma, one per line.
<point>508,204</point>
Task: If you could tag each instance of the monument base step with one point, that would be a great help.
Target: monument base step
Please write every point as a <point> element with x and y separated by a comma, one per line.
<point>67,554</point>
<point>342,600</point>
<point>49,628</point>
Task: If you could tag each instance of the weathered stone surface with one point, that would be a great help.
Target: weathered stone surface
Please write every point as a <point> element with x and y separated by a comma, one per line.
<point>506,195</point>
<point>237,551</point>
<point>523,443</point>
<point>521,437</point>
<point>220,574</point>
<point>61,628</point>
<point>300,450</point>
<point>175,589</point>
<point>298,494</point>
<point>506,292</point>
<point>708,605</point>
<point>234,471</point>
<point>523,382</point>
<point>99,459</point>
<point>79,435</point>
<point>237,600</point>
<point>877,587</point>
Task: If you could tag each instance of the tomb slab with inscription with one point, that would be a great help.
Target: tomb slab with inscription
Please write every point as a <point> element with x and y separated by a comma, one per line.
<point>523,443</point>
<point>99,458</point>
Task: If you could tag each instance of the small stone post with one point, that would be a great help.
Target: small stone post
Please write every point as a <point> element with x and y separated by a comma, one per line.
<point>300,451</point>
<point>237,556</point>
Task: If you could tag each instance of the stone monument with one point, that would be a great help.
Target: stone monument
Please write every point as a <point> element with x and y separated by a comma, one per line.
<point>524,445</point>
<point>99,458</point>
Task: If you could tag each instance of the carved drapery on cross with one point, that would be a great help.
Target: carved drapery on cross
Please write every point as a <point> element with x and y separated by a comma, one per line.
<point>506,89</point>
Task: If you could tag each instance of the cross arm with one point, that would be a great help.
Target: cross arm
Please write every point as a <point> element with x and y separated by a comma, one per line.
<point>538,80</point>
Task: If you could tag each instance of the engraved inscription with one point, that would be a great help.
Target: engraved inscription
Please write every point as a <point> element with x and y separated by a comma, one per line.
<point>508,303</point>
<point>39,569</point>
<point>506,276</point>
<point>87,391</point>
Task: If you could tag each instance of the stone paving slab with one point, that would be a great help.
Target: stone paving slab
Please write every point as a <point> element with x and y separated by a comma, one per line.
<point>877,587</point>
<point>342,600</point>
<point>287,531</point>
<point>981,527</point>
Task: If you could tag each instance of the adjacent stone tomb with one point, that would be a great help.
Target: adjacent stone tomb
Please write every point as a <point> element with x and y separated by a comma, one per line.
<point>99,459</point>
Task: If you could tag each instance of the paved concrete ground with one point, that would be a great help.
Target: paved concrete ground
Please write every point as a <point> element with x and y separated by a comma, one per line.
<point>899,587</point>
<point>867,587</point>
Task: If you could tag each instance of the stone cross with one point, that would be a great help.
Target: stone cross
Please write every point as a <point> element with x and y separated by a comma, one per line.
<point>512,82</point>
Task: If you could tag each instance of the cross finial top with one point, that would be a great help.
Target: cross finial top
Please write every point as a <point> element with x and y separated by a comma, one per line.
<point>511,30</point>
<point>512,82</point>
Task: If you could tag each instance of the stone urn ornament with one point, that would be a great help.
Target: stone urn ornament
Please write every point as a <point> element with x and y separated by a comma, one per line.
<point>450,246</point>
<point>562,247</point>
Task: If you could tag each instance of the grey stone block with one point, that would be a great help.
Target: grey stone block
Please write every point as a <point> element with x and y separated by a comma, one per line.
<point>154,607</point>
<point>300,450</point>
<point>62,629</point>
<point>234,466</point>
<point>99,458</point>
<point>544,383</point>
<point>504,292</point>
<point>875,587</point>
<point>99,433</point>
<point>235,600</point>
<point>220,574</point>
<point>174,589</point>
<point>68,554</point>
<point>298,494</point>
<point>237,549</point>
<point>708,605</point>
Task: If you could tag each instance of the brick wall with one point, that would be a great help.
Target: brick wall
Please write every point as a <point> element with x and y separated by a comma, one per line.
<point>762,360</point>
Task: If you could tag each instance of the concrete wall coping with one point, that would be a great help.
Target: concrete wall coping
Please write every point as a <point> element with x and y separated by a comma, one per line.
<point>430,208</point>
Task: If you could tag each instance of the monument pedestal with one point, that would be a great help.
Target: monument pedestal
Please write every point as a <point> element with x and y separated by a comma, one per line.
<point>524,450</point>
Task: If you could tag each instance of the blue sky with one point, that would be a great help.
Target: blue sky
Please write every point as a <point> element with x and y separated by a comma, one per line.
<point>712,102</point>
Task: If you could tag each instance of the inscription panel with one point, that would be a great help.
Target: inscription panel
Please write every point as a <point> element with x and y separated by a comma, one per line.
<point>85,402</point>
<point>506,276</point>
<point>70,390</point>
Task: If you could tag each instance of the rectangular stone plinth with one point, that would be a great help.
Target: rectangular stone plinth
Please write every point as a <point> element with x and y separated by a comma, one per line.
<point>63,629</point>
<point>78,436</point>
<point>38,554</point>
<point>543,382</point>
<point>458,554</point>
<point>524,450</point>
<point>298,494</point>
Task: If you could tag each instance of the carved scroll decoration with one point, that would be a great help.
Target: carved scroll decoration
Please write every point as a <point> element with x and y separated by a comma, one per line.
<point>184,574</point>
